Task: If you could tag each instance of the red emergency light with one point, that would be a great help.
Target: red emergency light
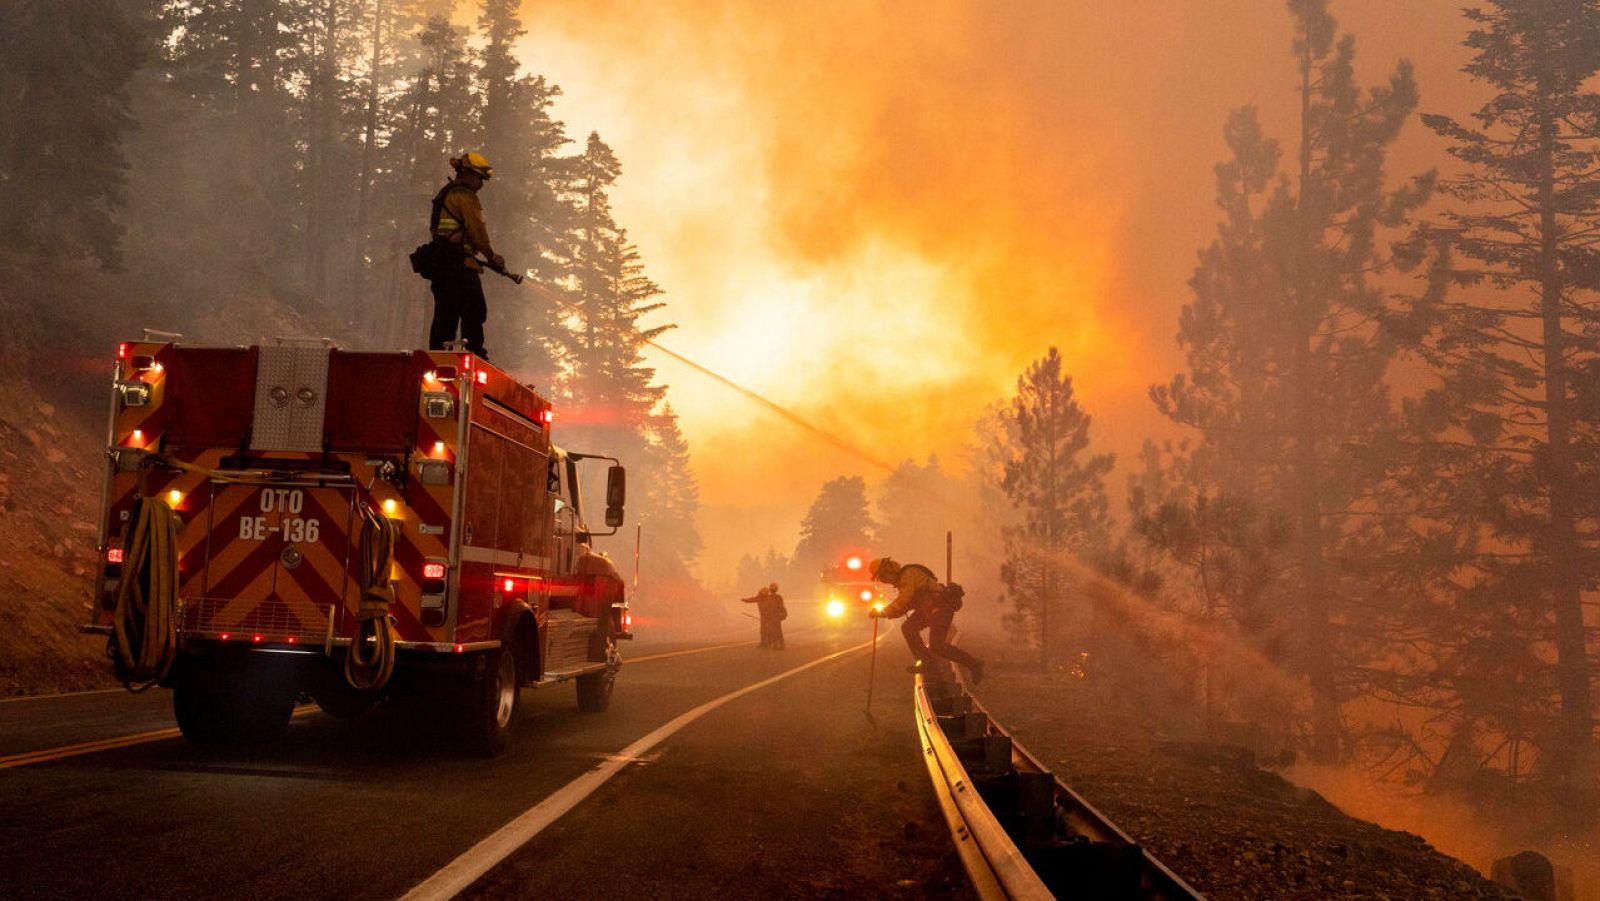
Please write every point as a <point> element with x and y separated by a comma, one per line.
<point>115,555</point>
<point>433,570</point>
<point>547,416</point>
<point>483,377</point>
<point>511,585</point>
<point>122,351</point>
<point>853,563</point>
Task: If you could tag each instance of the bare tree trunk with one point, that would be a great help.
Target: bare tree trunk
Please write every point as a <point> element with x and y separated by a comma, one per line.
<point>1572,664</point>
<point>1317,650</point>
<point>369,137</point>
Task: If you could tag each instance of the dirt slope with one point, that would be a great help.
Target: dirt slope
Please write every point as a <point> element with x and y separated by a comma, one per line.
<point>49,491</point>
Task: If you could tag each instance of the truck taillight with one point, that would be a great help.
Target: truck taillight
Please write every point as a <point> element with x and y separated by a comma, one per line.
<point>547,416</point>
<point>115,555</point>
<point>433,591</point>
<point>627,620</point>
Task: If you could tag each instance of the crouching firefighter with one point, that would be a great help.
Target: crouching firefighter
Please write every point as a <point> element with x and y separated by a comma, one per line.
<point>931,606</point>
<point>450,260</point>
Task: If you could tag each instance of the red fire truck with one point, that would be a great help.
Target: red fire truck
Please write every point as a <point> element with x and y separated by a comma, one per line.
<point>295,520</point>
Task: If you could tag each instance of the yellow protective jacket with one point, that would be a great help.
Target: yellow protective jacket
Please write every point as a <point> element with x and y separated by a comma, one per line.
<point>917,588</point>
<point>461,222</point>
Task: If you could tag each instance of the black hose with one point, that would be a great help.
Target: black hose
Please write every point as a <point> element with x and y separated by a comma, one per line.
<point>144,636</point>
<point>370,661</point>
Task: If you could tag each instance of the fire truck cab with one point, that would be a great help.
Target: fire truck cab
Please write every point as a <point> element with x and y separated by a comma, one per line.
<point>349,527</point>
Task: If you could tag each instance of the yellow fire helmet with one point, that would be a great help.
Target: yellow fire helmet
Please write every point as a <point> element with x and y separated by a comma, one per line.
<point>472,162</point>
<point>883,569</point>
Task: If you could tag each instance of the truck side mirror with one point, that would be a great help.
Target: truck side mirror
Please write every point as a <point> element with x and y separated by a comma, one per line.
<point>616,495</point>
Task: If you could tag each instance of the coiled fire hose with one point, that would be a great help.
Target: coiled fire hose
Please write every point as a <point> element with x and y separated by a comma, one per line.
<point>370,662</point>
<point>144,636</point>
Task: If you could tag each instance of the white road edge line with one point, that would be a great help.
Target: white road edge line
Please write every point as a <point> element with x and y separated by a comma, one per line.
<point>462,872</point>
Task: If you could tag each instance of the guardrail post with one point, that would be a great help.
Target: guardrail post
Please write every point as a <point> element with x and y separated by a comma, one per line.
<point>1036,807</point>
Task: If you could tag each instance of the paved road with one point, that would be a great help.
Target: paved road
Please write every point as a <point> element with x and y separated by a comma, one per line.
<point>787,791</point>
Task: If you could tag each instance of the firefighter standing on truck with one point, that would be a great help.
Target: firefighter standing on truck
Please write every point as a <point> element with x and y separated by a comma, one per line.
<point>457,223</point>
<point>931,606</point>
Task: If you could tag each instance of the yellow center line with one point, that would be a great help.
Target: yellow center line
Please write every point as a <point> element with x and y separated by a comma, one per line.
<point>104,744</point>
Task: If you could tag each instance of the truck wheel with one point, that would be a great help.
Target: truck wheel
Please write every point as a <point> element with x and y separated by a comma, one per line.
<point>202,712</point>
<point>491,704</point>
<point>217,703</point>
<point>594,689</point>
<point>343,704</point>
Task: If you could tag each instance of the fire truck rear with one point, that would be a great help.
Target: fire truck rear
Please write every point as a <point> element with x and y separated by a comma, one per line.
<point>299,520</point>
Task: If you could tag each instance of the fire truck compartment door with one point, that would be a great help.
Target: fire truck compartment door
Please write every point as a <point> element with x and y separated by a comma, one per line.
<point>291,398</point>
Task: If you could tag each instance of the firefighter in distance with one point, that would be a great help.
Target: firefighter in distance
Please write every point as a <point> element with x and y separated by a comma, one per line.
<point>459,235</point>
<point>931,605</point>
<point>769,604</point>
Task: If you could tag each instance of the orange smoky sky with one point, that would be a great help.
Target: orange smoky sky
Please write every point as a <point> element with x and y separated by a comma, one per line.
<point>877,213</point>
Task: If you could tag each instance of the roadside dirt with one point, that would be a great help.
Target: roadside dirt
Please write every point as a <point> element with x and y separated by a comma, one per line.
<point>49,491</point>
<point>1234,830</point>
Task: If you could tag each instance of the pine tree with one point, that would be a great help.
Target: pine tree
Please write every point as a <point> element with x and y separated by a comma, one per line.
<point>328,114</point>
<point>1516,419</point>
<point>1060,490</point>
<point>915,504</point>
<point>1286,360</point>
<point>534,204</point>
<point>837,523</point>
<point>670,504</point>
<point>236,62</point>
<point>1220,557</point>
<point>65,67</point>
<point>436,114</point>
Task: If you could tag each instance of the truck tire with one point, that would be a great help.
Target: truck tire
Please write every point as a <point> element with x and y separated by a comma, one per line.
<point>344,703</point>
<point>490,704</point>
<point>217,702</point>
<point>594,689</point>
<point>203,714</point>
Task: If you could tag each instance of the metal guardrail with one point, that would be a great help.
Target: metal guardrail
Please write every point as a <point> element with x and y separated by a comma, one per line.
<point>1020,831</point>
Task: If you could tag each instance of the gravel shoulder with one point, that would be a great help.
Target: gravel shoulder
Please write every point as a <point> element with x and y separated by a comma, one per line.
<point>1234,830</point>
